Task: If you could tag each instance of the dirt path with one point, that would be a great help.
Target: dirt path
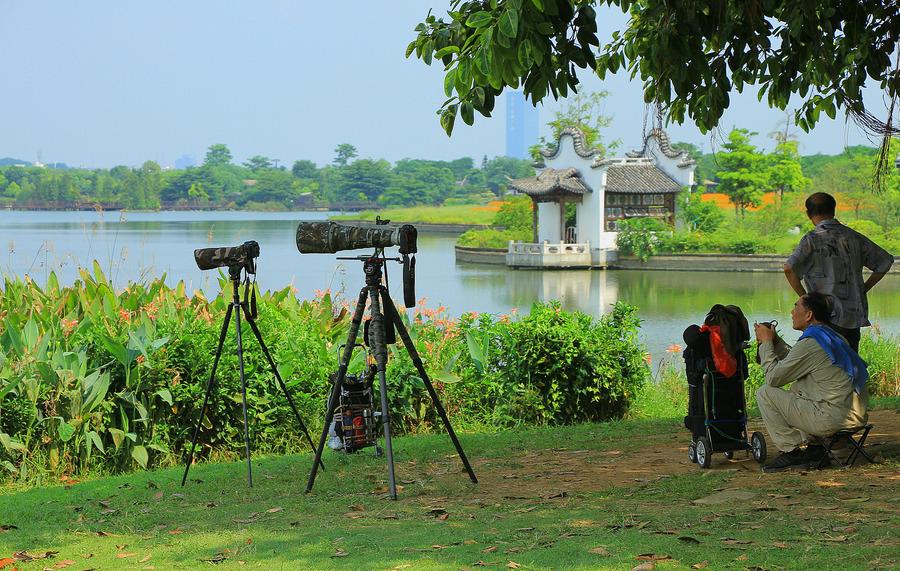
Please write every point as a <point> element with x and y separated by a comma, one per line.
<point>550,472</point>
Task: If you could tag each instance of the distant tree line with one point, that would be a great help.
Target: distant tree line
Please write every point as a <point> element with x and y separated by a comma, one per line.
<point>260,183</point>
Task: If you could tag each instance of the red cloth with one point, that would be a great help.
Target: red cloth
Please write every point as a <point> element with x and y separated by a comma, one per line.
<point>725,363</point>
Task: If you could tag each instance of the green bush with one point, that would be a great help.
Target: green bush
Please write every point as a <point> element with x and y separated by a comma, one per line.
<point>491,238</point>
<point>638,237</point>
<point>514,214</point>
<point>554,367</point>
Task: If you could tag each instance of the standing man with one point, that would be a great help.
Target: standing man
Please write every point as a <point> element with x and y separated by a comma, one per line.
<point>830,260</point>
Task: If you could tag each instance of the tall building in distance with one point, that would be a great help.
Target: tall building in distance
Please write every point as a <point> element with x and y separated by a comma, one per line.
<point>521,125</point>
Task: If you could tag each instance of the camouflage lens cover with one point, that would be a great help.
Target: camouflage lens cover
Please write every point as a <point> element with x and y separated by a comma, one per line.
<point>331,237</point>
<point>227,256</point>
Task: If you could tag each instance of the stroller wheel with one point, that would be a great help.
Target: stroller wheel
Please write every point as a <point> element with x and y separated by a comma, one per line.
<point>692,453</point>
<point>704,452</point>
<point>729,454</point>
<point>758,445</point>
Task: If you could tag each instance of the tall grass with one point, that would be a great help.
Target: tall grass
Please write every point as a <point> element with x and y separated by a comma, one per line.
<point>459,214</point>
<point>667,395</point>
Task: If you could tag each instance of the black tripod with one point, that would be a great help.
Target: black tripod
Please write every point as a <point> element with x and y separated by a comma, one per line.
<point>235,309</point>
<point>381,308</point>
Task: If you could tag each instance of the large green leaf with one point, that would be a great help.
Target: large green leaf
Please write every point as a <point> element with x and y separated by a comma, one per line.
<point>65,430</point>
<point>95,438</point>
<point>479,19</point>
<point>95,387</point>
<point>509,23</point>
<point>139,453</point>
<point>9,444</point>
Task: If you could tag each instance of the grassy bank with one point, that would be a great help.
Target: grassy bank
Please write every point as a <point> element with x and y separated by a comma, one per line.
<point>460,214</point>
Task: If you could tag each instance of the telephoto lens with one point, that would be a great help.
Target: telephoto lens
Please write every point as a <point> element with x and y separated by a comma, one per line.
<point>325,237</point>
<point>228,256</point>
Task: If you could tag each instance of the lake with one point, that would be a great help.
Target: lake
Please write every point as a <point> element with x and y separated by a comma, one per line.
<point>144,245</point>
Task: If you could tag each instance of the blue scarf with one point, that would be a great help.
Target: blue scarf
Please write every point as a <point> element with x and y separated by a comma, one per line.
<point>840,353</point>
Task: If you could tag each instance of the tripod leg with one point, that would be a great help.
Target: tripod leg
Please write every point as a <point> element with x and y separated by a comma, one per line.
<point>240,353</point>
<point>338,382</point>
<point>381,363</point>
<point>275,372</point>
<point>209,387</point>
<point>417,361</point>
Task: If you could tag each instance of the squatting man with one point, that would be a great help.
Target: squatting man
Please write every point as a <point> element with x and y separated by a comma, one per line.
<point>828,393</point>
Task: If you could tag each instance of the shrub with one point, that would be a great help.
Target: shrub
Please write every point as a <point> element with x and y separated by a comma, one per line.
<point>554,366</point>
<point>490,238</point>
<point>637,237</point>
<point>515,214</point>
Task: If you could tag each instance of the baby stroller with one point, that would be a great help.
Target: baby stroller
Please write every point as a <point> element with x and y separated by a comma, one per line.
<point>716,369</point>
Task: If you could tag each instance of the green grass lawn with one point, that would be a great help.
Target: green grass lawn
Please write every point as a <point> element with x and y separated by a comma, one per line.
<point>596,496</point>
<point>460,214</point>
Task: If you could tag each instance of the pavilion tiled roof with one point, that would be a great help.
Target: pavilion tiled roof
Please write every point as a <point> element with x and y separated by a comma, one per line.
<point>552,182</point>
<point>639,178</point>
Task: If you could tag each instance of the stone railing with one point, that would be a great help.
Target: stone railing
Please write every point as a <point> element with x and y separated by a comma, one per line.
<point>548,255</point>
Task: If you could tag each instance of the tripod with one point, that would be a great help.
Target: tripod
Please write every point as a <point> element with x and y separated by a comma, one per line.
<point>381,308</point>
<point>235,309</point>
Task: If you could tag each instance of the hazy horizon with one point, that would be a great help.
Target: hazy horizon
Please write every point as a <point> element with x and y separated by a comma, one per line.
<point>112,83</point>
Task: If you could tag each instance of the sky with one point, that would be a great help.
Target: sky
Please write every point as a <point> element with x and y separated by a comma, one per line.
<point>108,82</point>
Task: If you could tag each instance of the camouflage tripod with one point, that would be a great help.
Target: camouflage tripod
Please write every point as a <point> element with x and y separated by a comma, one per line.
<point>381,308</point>
<point>235,309</point>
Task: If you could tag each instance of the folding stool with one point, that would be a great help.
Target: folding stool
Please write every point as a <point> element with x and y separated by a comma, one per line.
<point>856,443</point>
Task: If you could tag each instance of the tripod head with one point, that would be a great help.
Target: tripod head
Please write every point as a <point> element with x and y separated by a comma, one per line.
<point>373,268</point>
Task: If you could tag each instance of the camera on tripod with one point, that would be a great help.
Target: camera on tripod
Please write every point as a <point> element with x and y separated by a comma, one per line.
<point>240,257</point>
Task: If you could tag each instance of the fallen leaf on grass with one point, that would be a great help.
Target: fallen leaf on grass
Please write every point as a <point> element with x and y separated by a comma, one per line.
<point>5,528</point>
<point>485,563</point>
<point>854,500</point>
<point>216,559</point>
<point>252,518</point>
<point>6,561</point>
<point>652,557</point>
<point>125,555</point>
<point>274,510</point>
<point>176,531</point>
<point>443,517</point>
<point>688,539</point>
<point>732,541</point>
<point>104,503</point>
<point>158,495</point>
<point>63,564</point>
<point>490,549</point>
<point>211,504</point>
<point>106,534</point>
<point>700,565</point>
<point>601,551</point>
<point>836,538</point>
<point>524,529</point>
<point>25,557</point>
<point>512,565</point>
<point>108,511</point>
<point>339,553</point>
<point>780,545</point>
<point>145,558</point>
<point>562,494</point>
<point>741,558</point>
<point>646,566</point>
